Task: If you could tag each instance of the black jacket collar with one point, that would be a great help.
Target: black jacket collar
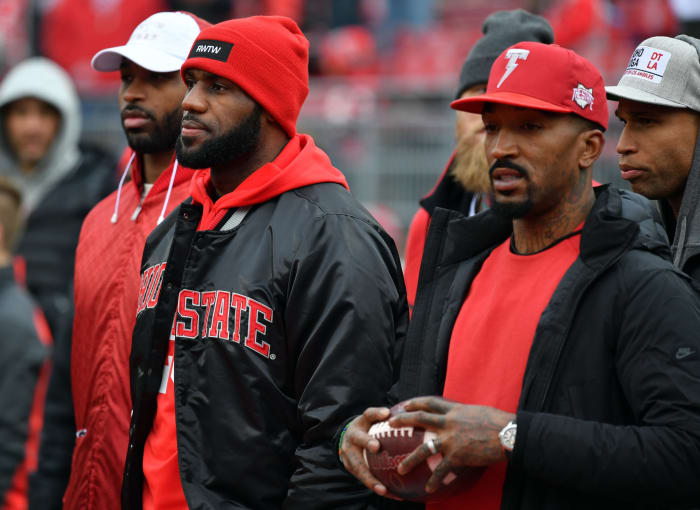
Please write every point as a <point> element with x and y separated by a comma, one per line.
<point>618,220</point>
<point>448,194</point>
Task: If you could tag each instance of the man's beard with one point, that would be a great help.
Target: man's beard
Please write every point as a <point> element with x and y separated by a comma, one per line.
<point>163,136</point>
<point>510,210</point>
<point>470,167</point>
<point>239,142</point>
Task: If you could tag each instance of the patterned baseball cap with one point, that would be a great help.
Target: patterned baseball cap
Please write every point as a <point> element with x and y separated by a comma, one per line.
<point>545,77</point>
<point>663,71</point>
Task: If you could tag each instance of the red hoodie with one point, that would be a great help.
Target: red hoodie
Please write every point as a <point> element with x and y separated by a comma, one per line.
<point>299,164</point>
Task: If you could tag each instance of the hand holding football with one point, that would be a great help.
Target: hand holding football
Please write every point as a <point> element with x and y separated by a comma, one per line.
<point>396,445</point>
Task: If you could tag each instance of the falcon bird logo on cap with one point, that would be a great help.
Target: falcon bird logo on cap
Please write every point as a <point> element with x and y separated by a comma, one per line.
<point>583,96</point>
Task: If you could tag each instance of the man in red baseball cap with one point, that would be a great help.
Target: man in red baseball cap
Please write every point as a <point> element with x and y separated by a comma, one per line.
<point>464,183</point>
<point>560,339</point>
<point>275,300</point>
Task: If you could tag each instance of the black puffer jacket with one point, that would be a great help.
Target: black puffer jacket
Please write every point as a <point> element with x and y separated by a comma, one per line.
<point>53,226</point>
<point>256,414</point>
<point>609,415</point>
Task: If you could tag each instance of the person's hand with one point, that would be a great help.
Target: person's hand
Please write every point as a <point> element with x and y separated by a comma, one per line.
<point>355,440</point>
<point>467,435</point>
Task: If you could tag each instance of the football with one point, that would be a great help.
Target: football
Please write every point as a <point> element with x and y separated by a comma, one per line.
<point>395,445</point>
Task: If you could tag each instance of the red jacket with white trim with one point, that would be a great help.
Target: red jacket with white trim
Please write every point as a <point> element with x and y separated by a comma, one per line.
<point>106,291</point>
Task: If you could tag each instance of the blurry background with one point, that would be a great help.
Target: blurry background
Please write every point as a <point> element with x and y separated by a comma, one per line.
<point>383,71</point>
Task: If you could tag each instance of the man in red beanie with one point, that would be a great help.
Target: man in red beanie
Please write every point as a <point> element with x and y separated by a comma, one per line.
<point>559,337</point>
<point>107,280</point>
<point>272,303</point>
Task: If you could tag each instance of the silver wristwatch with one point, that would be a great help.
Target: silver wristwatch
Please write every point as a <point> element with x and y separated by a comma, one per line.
<point>507,436</point>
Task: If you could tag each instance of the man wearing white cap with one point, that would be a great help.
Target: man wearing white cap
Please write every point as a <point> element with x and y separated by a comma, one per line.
<point>659,102</point>
<point>107,285</point>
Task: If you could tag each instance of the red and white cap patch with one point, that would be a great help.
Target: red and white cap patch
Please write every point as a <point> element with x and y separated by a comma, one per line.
<point>583,96</point>
<point>648,64</point>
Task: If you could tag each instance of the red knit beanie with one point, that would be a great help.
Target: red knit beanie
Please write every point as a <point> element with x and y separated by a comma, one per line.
<point>267,56</point>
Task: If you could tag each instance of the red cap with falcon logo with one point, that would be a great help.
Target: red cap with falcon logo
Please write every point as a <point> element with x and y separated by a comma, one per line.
<point>543,77</point>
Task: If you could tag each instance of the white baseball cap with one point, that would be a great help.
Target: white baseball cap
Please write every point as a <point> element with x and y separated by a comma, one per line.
<point>160,43</point>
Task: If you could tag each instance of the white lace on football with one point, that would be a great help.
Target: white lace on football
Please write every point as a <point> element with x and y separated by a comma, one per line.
<point>383,429</point>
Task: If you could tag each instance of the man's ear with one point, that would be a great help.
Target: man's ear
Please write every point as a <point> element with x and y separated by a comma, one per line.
<point>593,142</point>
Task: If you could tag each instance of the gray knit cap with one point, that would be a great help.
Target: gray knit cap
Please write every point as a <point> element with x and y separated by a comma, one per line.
<point>501,29</point>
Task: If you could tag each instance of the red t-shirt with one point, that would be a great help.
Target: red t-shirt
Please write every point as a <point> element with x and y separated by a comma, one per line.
<point>162,488</point>
<point>491,342</point>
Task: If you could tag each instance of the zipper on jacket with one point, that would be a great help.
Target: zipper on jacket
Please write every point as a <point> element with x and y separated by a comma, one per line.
<point>610,263</point>
<point>564,337</point>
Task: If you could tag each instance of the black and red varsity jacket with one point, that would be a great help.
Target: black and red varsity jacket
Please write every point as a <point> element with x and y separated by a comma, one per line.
<point>285,325</point>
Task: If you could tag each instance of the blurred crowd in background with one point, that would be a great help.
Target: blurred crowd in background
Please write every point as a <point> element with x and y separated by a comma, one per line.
<point>383,74</point>
<point>383,71</point>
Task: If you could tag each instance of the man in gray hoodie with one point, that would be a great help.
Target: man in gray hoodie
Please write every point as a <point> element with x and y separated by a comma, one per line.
<point>659,102</point>
<point>59,179</point>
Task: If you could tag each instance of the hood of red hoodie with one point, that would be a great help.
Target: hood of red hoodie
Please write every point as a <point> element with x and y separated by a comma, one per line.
<point>299,164</point>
